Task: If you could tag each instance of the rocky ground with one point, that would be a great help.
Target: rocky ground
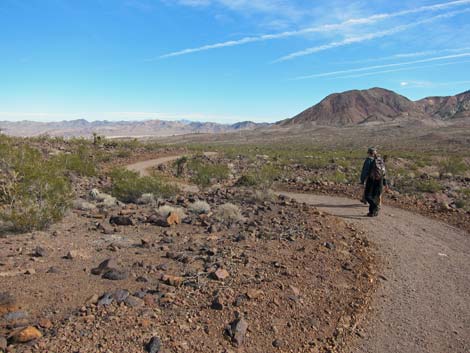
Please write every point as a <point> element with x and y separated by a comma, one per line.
<point>220,271</point>
<point>442,205</point>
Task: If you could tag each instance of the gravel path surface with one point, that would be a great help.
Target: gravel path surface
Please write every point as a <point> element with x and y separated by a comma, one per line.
<point>423,303</point>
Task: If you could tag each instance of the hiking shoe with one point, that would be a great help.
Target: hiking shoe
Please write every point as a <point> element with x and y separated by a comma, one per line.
<point>370,215</point>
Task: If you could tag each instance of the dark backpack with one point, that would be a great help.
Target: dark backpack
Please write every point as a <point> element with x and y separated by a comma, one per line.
<point>378,170</point>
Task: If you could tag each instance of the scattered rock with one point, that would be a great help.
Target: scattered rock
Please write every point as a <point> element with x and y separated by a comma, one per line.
<point>39,252</point>
<point>254,293</point>
<point>237,331</point>
<point>277,343</point>
<point>134,302</point>
<point>173,219</point>
<point>173,280</point>
<point>221,274</point>
<point>104,266</point>
<point>115,275</point>
<point>154,345</point>
<point>121,221</point>
<point>45,323</point>
<point>7,303</point>
<point>217,304</point>
<point>76,254</point>
<point>105,300</point>
<point>121,295</point>
<point>27,334</point>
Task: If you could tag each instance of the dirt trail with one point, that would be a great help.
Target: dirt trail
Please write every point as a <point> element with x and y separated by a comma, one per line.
<point>423,302</point>
<point>143,167</point>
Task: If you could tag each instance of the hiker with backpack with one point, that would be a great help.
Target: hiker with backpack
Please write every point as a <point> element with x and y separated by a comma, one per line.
<point>374,177</point>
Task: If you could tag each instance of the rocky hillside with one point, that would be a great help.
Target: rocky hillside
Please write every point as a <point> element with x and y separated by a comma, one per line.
<point>379,105</point>
<point>452,107</point>
<point>81,127</point>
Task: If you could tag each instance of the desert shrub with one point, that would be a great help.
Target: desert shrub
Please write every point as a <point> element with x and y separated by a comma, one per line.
<point>147,199</point>
<point>260,177</point>
<point>81,161</point>
<point>205,173</point>
<point>429,186</point>
<point>128,186</point>
<point>180,163</point>
<point>454,166</point>
<point>464,204</point>
<point>34,192</point>
<point>229,212</point>
<point>166,210</point>
<point>199,207</point>
<point>247,180</point>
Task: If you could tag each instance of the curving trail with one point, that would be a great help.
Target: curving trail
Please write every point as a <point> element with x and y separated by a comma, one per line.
<point>423,302</point>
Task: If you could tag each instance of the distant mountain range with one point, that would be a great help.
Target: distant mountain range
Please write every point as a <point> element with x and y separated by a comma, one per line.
<point>148,128</point>
<point>356,107</point>
<point>378,105</point>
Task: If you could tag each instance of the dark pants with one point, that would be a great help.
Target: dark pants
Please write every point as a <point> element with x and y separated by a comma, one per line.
<point>372,193</point>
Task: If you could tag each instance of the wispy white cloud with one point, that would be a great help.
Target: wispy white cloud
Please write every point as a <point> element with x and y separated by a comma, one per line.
<point>374,67</point>
<point>369,36</point>
<point>410,55</point>
<point>316,29</point>
<point>381,72</point>
<point>429,84</point>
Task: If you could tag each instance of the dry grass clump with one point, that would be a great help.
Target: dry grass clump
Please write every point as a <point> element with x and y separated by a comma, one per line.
<point>199,207</point>
<point>229,212</point>
<point>165,210</point>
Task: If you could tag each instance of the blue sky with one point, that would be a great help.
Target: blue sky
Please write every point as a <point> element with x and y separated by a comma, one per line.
<point>221,60</point>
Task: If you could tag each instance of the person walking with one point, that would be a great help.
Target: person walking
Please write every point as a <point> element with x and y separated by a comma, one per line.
<point>374,177</point>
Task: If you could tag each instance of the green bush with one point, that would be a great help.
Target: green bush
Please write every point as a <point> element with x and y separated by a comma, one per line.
<point>203,173</point>
<point>34,192</point>
<point>128,186</point>
<point>261,177</point>
<point>81,161</point>
<point>454,166</point>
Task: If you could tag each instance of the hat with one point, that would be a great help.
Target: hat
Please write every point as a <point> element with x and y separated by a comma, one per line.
<point>372,150</point>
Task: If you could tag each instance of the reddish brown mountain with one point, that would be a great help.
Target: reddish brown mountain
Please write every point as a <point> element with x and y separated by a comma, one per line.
<point>453,107</point>
<point>379,105</point>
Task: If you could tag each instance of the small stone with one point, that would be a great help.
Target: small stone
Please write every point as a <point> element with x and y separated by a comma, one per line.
<point>277,343</point>
<point>76,254</point>
<point>173,219</point>
<point>39,252</point>
<point>220,274</point>
<point>237,331</point>
<point>121,221</point>
<point>295,290</point>
<point>154,345</point>
<point>121,295</point>
<point>217,304</point>
<point>105,300</point>
<point>114,275</point>
<point>104,266</point>
<point>174,281</point>
<point>45,323</point>
<point>93,299</point>
<point>53,269</point>
<point>254,293</point>
<point>30,271</point>
<point>134,302</point>
<point>27,334</point>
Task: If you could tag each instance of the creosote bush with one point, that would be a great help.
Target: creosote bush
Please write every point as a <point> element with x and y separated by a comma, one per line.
<point>34,191</point>
<point>204,173</point>
<point>129,186</point>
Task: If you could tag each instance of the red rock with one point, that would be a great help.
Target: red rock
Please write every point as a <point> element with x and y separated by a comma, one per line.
<point>27,334</point>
